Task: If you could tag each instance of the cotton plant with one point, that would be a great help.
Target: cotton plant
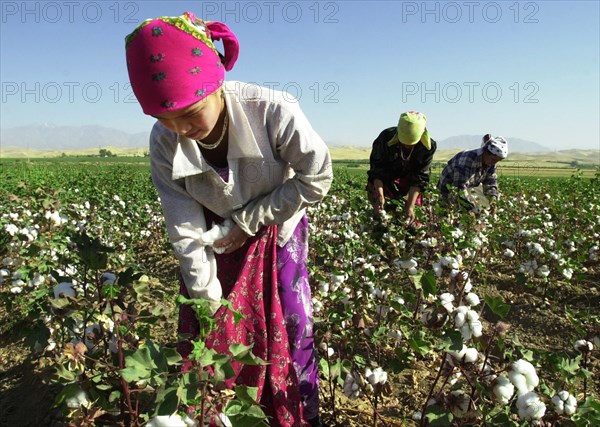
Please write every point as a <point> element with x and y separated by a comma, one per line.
<point>465,355</point>
<point>583,346</point>
<point>564,403</point>
<point>503,390</point>
<point>467,322</point>
<point>530,407</point>
<point>523,376</point>
<point>352,386</point>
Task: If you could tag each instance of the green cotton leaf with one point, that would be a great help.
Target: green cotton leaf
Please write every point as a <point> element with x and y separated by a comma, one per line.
<point>243,415</point>
<point>39,333</point>
<point>138,365</point>
<point>428,284</point>
<point>242,353</point>
<point>438,417</point>
<point>501,420</point>
<point>336,369</point>
<point>453,341</point>
<point>234,408</point>
<point>239,349</point>
<point>114,395</point>
<point>171,355</point>
<point>416,280</point>
<point>204,356</point>
<point>60,303</point>
<point>567,365</point>
<point>70,390</point>
<point>135,373</point>
<point>189,387</point>
<point>167,401</point>
<point>247,395</point>
<point>584,374</point>
<point>158,357</point>
<point>140,288</point>
<point>110,291</point>
<point>497,305</point>
<point>420,345</point>
<point>237,316</point>
<point>92,252</point>
<point>64,373</point>
<point>324,367</point>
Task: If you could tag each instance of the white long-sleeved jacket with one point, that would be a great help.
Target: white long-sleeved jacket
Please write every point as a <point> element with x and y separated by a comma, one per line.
<point>278,165</point>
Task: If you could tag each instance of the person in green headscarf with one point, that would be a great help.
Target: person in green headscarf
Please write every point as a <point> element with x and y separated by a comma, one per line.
<point>400,164</point>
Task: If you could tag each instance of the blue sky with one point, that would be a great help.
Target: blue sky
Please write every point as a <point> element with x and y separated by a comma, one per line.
<point>523,69</point>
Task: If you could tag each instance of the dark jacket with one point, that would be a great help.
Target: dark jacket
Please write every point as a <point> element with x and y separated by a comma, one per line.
<point>387,165</point>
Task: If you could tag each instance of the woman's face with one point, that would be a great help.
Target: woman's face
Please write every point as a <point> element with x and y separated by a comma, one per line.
<point>195,121</point>
<point>490,159</point>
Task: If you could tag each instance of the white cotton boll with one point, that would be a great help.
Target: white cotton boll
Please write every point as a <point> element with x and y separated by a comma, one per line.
<point>412,271</point>
<point>459,319</point>
<point>417,416</point>
<point>437,269</point>
<point>377,376</point>
<point>472,299</point>
<point>7,261</point>
<point>503,390</point>
<point>11,229</point>
<point>522,375</point>
<point>395,334</point>
<point>338,279</point>
<point>596,341</point>
<point>330,351</point>
<point>317,305</point>
<point>16,290</point>
<point>535,249</point>
<point>466,332</point>
<point>567,273</point>
<point>379,294</point>
<point>78,399</point>
<point>447,299</point>
<point>64,289</point>
<point>351,387</point>
<point>470,355</point>
<point>543,271</point>
<point>530,406</point>
<point>564,402</point>
<point>323,286</point>
<point>468,286</point>
<point>224,421</point>
<point>166,421</point>
<point>508,253</point>
<point>476,329</point>
<point>460,403</point>
<point>406,264</point>
<point>456,233</point>
<point>456,355</point>
<point>583,346</point>
<point>472,316</point>
<point>399,300</point>
<point>37,280</point>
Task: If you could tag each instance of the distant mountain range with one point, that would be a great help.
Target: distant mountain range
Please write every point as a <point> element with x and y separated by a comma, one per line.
<point>50,137</point>
<point>468,142</point>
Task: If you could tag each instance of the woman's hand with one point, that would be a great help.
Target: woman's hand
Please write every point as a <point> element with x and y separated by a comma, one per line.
<point>233,241</point>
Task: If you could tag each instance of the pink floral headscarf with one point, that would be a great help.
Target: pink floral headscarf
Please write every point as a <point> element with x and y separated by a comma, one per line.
<point>173,63</point>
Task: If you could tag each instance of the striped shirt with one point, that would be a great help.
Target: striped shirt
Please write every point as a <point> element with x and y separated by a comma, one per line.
<point>466,170</point>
